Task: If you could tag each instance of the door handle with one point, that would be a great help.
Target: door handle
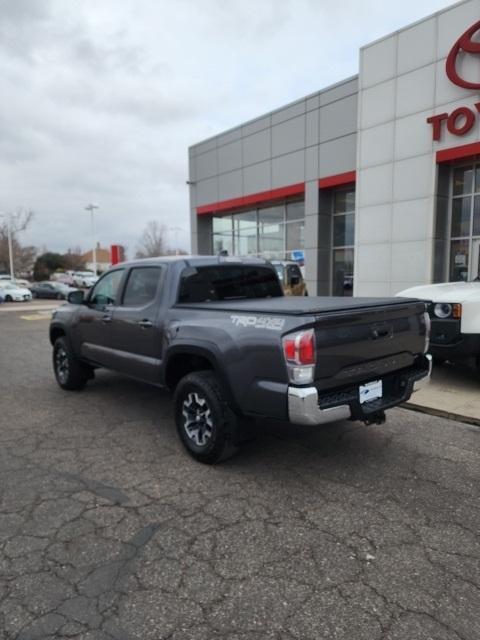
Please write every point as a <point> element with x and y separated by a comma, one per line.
<point>106,319</point>
<point>145,324</point>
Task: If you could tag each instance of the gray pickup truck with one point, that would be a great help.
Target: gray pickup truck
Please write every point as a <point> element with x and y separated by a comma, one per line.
<point>221,335</point>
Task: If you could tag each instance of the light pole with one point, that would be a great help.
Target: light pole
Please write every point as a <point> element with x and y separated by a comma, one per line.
<point>91,207</point>
<point>8,219</point>
<point>176,229</point>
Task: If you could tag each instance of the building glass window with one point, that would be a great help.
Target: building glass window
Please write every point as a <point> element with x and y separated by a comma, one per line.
<point>343,241</point>
<point>465,223</point>
<point>269,232</point>
<point>222,234</point>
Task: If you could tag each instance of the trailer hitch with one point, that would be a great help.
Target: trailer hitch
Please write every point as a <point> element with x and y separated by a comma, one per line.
<point>376,418</point>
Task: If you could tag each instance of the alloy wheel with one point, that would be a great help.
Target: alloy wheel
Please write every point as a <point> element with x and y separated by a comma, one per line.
<point>197,419</point>
<point>61,365</point>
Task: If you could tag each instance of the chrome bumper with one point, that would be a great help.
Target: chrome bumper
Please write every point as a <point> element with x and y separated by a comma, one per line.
<point>303,403</point>
<point>419,384</point>
<point>303,408</point>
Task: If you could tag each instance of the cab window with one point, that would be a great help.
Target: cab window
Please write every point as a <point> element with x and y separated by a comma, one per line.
<point>105,291</point>
<point>141,287</point>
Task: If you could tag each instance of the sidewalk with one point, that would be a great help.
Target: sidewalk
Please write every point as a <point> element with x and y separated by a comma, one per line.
<point>454,392</point>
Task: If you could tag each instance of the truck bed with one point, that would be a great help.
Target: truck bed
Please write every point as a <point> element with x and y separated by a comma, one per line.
<point>298,306</point>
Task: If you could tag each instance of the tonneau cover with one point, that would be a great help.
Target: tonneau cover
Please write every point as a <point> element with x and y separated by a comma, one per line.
<point>296,305</point>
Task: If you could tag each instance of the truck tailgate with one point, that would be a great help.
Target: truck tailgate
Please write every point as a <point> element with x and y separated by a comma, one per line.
<point>354,347</point>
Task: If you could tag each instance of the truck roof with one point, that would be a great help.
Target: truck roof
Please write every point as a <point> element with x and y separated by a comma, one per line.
<point>198,261</point>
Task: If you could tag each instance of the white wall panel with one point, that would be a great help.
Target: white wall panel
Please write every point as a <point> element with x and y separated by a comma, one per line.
<point>377,145</point>
<point>412,178</point>
<point>417,46</point>
<point>375,186</point>
<point>412,220</point>
<point>416,91</point>
<point>413,136</point>
<point>409,261</point>
<point>377,104</point>
<point>378,62</point>
<point>374,225</point>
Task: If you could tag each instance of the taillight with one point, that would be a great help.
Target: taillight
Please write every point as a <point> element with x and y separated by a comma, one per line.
<point>299,352</point>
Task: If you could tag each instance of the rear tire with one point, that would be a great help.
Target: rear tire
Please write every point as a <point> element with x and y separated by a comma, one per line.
<point>70,373</point>
<point>8,298</point>
<point>205,425</point>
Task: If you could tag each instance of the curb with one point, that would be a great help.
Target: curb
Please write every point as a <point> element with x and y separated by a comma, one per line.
<point>442,414</point>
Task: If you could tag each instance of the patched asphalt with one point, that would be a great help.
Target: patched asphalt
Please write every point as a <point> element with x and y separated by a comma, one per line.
<point>109,530</point>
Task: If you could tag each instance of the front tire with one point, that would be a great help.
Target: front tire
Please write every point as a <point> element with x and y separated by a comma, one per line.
<point>206,427</point>
<point>70,373</point>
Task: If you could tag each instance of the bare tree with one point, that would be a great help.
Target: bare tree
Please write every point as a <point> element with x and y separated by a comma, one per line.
<point>153,240</point>
<point>73,259</point>
<point>23,257</point>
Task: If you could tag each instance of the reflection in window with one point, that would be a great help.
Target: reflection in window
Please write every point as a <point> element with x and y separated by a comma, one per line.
<point>476,216</point>
<point>141,286</point>
<point>270,232</point>
<point>343,242</point>
<point>343,272</point>
<point>461,217</point>
<point>465,222</point>
<point>459,253</point>
<point>105,291</point>
<point>462,180</point>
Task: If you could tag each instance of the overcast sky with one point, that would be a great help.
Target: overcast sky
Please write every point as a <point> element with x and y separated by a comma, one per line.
<point>101,98</point>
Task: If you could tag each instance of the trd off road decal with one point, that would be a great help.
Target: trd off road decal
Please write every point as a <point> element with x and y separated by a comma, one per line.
<point>258,322</point>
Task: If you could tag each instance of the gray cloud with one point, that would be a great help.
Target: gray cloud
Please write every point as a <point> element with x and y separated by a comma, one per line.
<point>100,100</point>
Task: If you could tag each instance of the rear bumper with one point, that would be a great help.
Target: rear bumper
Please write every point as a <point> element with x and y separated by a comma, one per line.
<point>303,408</point>
<point>307,406</point>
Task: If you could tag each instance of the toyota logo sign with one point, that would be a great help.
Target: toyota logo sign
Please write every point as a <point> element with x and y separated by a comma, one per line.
<point>464,44</point>
<point>461,120</point>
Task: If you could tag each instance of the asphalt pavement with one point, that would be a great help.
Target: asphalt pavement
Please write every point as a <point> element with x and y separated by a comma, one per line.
<point>109,530</point>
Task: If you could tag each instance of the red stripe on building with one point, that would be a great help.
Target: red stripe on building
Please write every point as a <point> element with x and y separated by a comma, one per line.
<point>253,199</point>
<point>456,153</point>
<point>337,180</point>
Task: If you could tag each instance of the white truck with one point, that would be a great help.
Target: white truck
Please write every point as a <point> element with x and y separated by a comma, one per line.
<point>454,309</point>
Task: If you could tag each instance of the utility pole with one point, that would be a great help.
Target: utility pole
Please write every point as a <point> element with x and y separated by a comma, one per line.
<point>91,207</point>
<point>176,229</point>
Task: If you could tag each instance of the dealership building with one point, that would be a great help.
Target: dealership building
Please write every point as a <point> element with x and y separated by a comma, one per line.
<point>374,181</point>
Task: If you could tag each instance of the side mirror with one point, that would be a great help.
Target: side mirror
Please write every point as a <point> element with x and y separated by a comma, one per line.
<point>76,297</point>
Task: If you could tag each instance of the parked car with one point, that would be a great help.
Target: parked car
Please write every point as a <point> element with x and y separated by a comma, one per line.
<point>454,309</point>
<point>20,282</point>
<point>65,278</point>
<point>290,277</point>
<point>220,333</point>
<point>55,290</point>
<point>84,279</point>
<point>13,293</point>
